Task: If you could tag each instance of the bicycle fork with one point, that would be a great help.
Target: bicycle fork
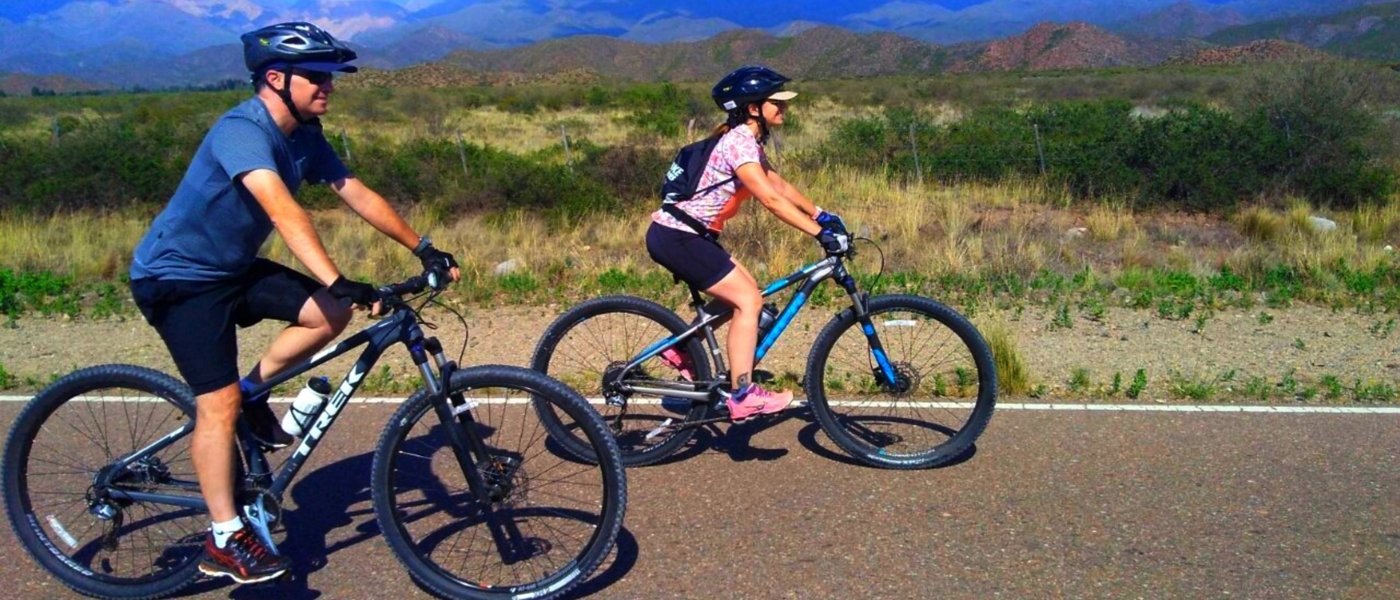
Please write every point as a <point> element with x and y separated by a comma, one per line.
<point>489,477</point>
<point>883,370</point>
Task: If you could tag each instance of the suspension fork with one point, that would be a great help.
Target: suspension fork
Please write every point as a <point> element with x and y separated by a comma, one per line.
<point>859,305</point>
<point>469,449</point>
<point>453,411</point>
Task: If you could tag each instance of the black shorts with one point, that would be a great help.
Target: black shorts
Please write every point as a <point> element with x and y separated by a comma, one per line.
<point>197,318</point>
<point>697,261</point>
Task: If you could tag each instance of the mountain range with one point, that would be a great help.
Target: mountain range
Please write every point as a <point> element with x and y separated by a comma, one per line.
<point>161,43</point>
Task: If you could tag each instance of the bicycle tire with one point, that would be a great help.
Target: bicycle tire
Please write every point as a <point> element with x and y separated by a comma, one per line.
<point>872,422</point>
<point>74,412</point>
<point>579,347</point>
<point>425,507</point>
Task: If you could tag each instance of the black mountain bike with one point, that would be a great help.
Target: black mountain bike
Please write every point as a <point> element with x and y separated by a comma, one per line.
<point>896,381</point>
<point>470,497</point>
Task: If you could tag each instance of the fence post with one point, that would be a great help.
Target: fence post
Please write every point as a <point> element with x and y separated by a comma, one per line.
<point>1039,148</point>
<point>568,154</point>
<point>345,143</point>
<point>462,154</point>
<point>914,143</point>
<point>690,130</point>
<point>1288,137</point>
<point>55,130</point>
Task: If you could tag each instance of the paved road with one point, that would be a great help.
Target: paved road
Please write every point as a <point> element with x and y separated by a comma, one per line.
<point>1052,504</point>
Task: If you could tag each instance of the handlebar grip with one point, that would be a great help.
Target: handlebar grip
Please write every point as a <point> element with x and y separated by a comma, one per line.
<point>412,285</point>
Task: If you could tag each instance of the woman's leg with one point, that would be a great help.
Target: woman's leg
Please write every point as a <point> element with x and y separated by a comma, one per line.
<point>740,290</point>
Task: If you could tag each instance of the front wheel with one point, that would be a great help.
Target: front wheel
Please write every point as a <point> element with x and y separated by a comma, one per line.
<point>939,400</point>
<point>65,491</point>
<point>543,520</point>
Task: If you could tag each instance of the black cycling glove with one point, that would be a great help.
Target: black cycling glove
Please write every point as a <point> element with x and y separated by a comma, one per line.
<point>834,242</point>
<point>435,259</point>
<point>357,292</point>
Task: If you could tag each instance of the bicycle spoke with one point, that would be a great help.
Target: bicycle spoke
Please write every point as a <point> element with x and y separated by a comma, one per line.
<point>544,512</point>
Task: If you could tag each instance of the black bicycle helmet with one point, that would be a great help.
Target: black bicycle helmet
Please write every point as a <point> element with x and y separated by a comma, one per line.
<point>298,44</point>
<point>302,44</point>
<point>749,84</point>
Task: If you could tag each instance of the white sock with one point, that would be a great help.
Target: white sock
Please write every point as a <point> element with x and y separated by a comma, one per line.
<point>223,531</point>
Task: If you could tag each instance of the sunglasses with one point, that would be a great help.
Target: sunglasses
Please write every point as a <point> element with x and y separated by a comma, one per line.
<point>781,104</point>
<point>315,77</point>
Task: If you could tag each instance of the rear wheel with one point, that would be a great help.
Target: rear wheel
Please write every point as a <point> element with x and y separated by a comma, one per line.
<point>547,519</point>
<point>60,480</point>
<point>587,348</point>
<point>940,401</point>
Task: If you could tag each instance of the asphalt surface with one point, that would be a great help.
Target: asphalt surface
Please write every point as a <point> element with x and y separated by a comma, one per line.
<point>1050,505</point>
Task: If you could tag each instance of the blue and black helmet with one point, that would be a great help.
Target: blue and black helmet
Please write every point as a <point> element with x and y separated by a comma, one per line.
<point>749,84</point>
<point>296,43</point>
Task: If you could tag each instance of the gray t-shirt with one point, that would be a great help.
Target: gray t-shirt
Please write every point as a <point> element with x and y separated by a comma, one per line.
<point>213,228</point>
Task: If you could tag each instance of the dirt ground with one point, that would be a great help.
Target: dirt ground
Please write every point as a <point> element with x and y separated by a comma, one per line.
<point>1307,342</point>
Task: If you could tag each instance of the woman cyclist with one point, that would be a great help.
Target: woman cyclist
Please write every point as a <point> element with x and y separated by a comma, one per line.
<point>683,234</point>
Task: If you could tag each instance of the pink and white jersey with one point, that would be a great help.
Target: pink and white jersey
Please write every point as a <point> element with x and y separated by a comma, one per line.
<point>736,148</point>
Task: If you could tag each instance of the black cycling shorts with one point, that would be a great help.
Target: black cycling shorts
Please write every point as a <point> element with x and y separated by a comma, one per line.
<point>700,262</point>
<point>197,319</point>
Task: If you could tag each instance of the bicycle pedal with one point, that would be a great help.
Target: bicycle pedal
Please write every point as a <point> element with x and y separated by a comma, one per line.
<point>663,428</point>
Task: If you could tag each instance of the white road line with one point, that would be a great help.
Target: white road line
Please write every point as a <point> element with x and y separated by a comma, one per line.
<point>1002,406</point>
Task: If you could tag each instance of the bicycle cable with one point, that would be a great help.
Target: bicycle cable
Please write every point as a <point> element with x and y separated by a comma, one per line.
<point>881,272</point>
<point>466,331</point>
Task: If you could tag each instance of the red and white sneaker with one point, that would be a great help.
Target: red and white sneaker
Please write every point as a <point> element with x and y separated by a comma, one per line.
<point>243,559</point>
<point>753,400</point>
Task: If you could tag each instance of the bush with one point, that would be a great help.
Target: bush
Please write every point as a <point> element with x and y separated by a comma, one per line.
<point>1306,129</point>
<point>1325,137</point>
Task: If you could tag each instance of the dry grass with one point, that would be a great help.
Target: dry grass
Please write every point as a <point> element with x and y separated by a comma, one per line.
<point>1013,377</point>
<point>929,229</point>
<point>1109,223</point>
<point>1259,223</point>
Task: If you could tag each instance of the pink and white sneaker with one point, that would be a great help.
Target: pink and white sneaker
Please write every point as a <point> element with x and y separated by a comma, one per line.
<point>753,400</point>
<point>680,361</point>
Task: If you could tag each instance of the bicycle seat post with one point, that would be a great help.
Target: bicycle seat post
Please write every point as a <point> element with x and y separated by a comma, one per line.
<point>695,300</point>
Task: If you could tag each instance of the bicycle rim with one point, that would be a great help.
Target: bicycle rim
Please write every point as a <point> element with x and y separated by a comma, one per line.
<point>68,438</point>
<point>588,351</point>
<point>555,517</point>
<point>945,393</point>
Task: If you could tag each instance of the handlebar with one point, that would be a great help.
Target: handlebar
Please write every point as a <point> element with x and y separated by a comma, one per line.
<point>413,285</point>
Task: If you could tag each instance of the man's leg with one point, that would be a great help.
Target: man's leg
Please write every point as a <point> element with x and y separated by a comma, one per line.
<point>212,448</point>
<point>320,320</point>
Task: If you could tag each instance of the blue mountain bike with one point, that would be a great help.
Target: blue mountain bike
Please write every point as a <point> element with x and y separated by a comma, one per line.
<point>897,381</point>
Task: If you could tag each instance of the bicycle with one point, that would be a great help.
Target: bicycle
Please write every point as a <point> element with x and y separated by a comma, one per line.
<point>466,489</point>
<point>651,371</point>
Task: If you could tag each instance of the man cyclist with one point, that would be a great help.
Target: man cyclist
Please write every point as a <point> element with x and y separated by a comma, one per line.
<point>683,235</point>
<point>196,273</point>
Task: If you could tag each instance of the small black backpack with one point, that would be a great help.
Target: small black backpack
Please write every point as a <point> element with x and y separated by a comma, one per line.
<point>683,178</point>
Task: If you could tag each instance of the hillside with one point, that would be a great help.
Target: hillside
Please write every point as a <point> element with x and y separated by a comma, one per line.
<point>1260,51</point>
<point>1184,19</point>
<point>1051,46</point>
<point>815,52</point>
<point>23,84</point>
<point>1371,32</point>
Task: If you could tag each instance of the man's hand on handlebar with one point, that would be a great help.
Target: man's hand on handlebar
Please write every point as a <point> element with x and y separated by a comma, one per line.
<point>360,294</point>
<point>440,267</point>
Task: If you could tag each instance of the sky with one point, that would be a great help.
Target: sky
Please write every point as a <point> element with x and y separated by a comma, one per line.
<point>18,10</point>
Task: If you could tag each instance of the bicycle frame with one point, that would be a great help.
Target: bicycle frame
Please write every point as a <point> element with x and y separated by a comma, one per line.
<point>715,313</point>
<point>399,326</point>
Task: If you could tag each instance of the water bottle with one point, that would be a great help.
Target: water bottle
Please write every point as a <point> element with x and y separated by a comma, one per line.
<point>306,405</point>
<point>766,318</point>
